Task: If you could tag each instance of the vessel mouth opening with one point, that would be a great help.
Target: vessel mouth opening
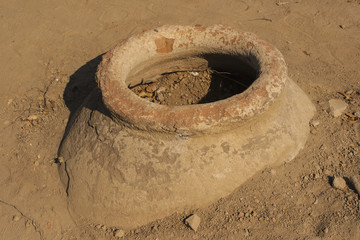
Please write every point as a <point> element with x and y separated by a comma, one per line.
<point>190,79</point>
<point>195,79</point>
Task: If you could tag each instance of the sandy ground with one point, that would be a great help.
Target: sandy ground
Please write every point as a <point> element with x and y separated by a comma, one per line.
<point>49,47</point>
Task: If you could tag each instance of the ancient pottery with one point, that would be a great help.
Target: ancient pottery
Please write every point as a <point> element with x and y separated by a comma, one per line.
<point>129,161</point>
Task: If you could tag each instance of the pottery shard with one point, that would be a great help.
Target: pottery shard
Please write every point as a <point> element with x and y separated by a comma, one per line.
<point>164,45</point>
<point>193,222</point>
<point>337,107</point>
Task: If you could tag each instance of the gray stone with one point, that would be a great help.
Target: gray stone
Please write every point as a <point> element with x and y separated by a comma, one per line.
<point>337,107</point>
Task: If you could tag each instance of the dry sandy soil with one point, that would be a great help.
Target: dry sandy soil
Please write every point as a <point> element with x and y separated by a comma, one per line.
<point>49,51</point>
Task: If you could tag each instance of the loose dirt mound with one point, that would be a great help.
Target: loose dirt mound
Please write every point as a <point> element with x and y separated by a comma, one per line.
<point>191,87</point>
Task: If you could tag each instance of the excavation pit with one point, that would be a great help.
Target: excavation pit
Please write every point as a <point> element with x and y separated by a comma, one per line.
<point>146,160</point>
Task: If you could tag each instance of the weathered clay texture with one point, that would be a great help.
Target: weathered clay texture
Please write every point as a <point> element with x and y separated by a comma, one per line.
<point>166,47</point>
<point>148,161</point>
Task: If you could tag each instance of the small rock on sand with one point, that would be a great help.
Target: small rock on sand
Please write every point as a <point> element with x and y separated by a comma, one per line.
<point>339,183</point>
<point>193,221</point>
<point>337,107</point>
<point>16,218</point>
<point>315,123</point>
<point>119,233</point>
<point>28,224</point>
<point>354,180</point>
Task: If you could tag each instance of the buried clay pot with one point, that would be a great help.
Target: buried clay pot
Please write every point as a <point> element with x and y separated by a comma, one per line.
<point>129,161</point>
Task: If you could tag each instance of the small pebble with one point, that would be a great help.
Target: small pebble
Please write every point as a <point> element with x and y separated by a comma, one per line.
<point>161,89</point>
<point>16,218</point>
<point>119,233</point>
<point>32,118</point>
<point>103,227</point>
<point>142,94</point>
<point>337,107</point>
<point>315,123</point>
<point>154,228</point>
<point>97,226</point>
<point>193,221</point>
<point>354,180</point>
<point>61,160</point>
<point>349,92</point>
<point>327,172</point>
<point>339,183</point>
<point>160,97</point>
<point>28,224</point>
<point>151,88</point>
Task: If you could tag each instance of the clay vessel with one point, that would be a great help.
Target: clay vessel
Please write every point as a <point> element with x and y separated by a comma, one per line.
<point>129,161</point>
